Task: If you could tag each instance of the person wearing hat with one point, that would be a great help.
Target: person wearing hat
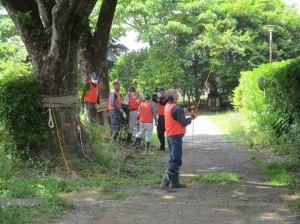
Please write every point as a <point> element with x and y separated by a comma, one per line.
<point>115,110</point>
<point>132,100</point>
<point>145,115</point>
<point>91,97</point>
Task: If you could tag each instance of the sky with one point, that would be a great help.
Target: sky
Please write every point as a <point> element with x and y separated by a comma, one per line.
<point>131,42</point>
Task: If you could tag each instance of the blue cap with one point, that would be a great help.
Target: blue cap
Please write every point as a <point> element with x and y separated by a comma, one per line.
<point>94,75</point>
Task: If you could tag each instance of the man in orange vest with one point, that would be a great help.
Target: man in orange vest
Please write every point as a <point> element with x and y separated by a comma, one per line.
<point>115,110</point>
<point>146,114</point>
<point>175,123</point>
<point>91,97</point>
<point>132,100</point>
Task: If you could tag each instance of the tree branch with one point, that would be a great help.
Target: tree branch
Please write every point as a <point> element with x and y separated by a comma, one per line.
<point>106,15</point>
<point>26,17</point>
<point>45,7</point>
<point>63,17</point>
<point>86,7</point>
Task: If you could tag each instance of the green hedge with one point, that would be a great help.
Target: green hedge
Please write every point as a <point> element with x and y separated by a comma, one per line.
<point>20,110</point>
<point>275,112</point>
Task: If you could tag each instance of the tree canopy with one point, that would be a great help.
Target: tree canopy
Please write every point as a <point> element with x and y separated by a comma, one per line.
<point>185,39</point>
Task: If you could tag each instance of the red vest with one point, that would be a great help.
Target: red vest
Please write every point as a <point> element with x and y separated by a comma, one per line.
<point>172,126</point>
<point>160,109</point>
<point>91,95</point>
<point>145,113</point>
<point>117,100</point>
<point>134,103</point>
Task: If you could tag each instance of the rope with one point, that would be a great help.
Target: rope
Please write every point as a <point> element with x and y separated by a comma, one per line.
<point>78,129</point>
<point>50,121</point>
<point>205,83</point>
<point>61,148</point>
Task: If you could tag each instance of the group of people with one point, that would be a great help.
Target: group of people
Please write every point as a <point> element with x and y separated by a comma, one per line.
<point>167,114</point>
<point>142,113</point>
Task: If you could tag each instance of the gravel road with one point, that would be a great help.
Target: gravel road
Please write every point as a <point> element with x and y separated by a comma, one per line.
<point>251,201</point>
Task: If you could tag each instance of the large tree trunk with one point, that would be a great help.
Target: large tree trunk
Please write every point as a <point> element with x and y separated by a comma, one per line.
<point>93,50</point>
<point>54,58</point>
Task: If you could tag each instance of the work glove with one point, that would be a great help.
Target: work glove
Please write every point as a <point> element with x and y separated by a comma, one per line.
<point>124,115</point>
<point>192,107</point>
<point>194,115</point>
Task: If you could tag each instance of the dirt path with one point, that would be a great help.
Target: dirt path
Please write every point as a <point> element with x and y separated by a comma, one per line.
<point>250,201</point>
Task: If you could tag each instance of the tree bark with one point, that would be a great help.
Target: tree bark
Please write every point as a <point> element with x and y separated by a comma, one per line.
<point>93,50</point>
<point>47,29</point>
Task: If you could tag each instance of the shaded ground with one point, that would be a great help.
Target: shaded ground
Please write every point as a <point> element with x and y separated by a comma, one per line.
<point>250,201</point>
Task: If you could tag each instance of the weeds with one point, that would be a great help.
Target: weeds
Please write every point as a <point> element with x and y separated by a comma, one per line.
<point>217,178</point>
<point>106,172</point>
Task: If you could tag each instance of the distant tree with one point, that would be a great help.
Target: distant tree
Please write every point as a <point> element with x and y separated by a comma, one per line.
<point>188,36</point>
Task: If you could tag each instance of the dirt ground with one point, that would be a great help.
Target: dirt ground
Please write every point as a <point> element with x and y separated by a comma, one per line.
<point>250,201</point>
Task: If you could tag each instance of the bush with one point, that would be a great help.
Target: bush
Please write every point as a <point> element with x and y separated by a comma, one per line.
<point>20,110</point>
<point>274,115</point>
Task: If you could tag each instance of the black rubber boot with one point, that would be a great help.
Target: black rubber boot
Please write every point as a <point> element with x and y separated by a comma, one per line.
<point>147,145</point>
<point>129,136</point>
<point>137,141</point>
<point>167,178</point>
<point>162,143</point>
<point>175,181</point>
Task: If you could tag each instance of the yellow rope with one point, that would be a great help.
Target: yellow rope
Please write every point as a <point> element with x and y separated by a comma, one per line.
<point>204,85</point>
<point>61,147</point>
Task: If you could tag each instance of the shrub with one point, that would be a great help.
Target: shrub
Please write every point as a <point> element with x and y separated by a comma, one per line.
<point>274,115</point>
<point>20,110</point>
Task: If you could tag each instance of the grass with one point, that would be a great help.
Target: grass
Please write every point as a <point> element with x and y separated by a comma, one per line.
<point>222,121</point>
<point>281,173</point>
<point>217,178</point>
<point>106,174</point>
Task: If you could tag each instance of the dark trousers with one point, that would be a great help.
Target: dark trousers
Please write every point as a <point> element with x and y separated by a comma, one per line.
<point>115,120</point>
<point>175,145</point>
<point>161,131</point>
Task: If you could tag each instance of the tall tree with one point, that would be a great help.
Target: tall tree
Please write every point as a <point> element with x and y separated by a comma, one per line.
<point>55,33</point>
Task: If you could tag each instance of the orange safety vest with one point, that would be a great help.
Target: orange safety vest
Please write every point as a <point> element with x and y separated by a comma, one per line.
<point>145,113</point>
<point>91,95</point>
<point>117,100</point>
<point>160,109</point>
<point>172,126</point>
<point>134,103</point>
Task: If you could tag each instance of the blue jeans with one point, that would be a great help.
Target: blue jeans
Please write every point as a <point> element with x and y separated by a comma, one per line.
<point>115,120</point>
<point>175,146</point>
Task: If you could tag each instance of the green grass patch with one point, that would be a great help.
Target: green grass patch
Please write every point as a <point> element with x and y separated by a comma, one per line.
<point>254,159</point>
<point>222,121</point>
<point>280,172</point>
<point>283,179</point>
<point>15,214</point>
<point>217,178</point>
<point>297,203</point>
